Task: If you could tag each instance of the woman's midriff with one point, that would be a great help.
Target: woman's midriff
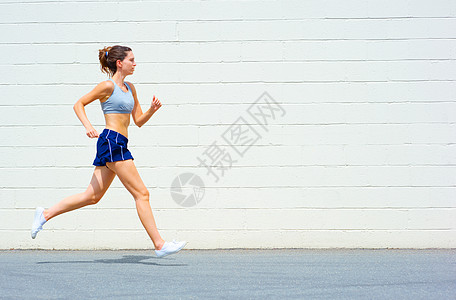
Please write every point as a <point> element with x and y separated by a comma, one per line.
<point>118,123</point>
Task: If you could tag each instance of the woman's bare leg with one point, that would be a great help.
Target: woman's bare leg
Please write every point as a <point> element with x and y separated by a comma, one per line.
<point>129,176</point>
<point>101,180</point>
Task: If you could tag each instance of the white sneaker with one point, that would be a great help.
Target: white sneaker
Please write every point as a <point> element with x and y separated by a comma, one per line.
<point>170,248</point>
<point>38,221</point>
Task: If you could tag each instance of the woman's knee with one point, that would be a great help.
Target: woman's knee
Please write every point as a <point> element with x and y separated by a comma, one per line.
<point>142,195</point>
<point>92,198</point>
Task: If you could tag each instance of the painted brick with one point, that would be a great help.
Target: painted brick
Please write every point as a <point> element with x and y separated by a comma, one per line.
<point>363,157</point>
<point>89,32</point>
<point>439,8</point>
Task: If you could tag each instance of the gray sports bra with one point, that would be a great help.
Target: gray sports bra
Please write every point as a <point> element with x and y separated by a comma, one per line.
<point>119,102</point>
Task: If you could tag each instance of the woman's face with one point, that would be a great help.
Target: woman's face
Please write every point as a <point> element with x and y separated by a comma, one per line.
<point>128,64</point>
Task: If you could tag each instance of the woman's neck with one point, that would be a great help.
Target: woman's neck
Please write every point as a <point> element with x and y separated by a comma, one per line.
<point>119,78</point>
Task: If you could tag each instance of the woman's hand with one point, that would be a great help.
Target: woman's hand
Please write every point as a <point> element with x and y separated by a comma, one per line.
<point>91,133</point>
<point>155,105</point>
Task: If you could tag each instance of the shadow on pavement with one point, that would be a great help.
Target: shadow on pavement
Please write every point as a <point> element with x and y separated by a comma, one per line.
<point>126,259</point>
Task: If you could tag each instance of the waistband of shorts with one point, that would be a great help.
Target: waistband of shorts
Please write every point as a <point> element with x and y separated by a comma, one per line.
<point>111,134</point>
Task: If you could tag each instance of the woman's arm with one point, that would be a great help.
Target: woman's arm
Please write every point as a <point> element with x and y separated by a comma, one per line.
<point>102,90</point>
<point>139,117</point>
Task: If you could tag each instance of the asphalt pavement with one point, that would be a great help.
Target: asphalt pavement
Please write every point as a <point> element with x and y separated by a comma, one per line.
<point>228,274</point>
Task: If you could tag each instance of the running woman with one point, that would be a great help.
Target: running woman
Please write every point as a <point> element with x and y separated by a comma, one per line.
<point>118,101</point>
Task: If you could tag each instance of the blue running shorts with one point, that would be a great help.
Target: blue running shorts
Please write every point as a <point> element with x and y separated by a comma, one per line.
<point>111,146</point>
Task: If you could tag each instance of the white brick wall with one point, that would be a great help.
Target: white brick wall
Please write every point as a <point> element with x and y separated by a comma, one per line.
<point>364,156</point>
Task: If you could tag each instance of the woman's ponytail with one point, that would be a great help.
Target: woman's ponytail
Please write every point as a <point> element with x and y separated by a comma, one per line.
<point>108,57</point>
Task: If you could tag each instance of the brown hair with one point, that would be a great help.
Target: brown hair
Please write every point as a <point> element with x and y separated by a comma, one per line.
<point>108,58</point>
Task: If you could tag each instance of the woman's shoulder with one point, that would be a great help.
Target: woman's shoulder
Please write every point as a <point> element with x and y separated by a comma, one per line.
<point>104,89</point>
<point>132,87</point>
<point>107,83</point>
<point>130,84</point>
<point>106,86</point>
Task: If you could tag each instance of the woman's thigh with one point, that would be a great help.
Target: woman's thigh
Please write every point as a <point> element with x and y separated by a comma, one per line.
<point>101,180</point>
<point>129,176</point>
